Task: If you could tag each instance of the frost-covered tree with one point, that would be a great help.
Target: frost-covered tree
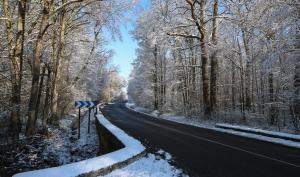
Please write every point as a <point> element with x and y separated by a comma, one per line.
<point>48,49</point>
<point>231,58</point>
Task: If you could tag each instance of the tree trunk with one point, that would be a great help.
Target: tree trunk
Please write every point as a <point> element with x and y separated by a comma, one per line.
<point>182,80</point>
<point>192,68</point>
<point>164,79</point>
<point>40,93</point>
<point>248,68</point>
<point>200,23</point>
<point>271,96</point>
<point>16,58</point>
<point>161,82</point>
<point>233,86</point>
<point>296,104</point>
<point>214,59</point>
<point>58,67</point>
<point>262,92</point>
<point>47,98</point>
<point>155,80</point>
<point>204,58</point>
<point>30,129</point>
<point>242,95</point>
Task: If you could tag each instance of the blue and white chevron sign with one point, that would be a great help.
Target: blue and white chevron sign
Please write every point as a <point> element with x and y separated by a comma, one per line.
<point>85,104</point>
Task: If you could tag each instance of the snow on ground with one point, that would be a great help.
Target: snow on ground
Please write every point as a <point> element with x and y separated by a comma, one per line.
<point>261,137</point>
<point>153,165</point>
<point>172,117</point>
<point>140,109</point>
<point>66,145</point>
<point>57,146</point>
<point>211,125</point>
<point>132,148</point>
<point>266,132</point>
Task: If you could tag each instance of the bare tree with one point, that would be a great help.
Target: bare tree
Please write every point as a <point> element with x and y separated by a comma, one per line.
<point>34,94</point>
<point>16,58</point>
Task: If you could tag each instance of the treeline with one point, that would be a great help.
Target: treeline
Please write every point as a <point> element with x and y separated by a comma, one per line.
<point>52,52</point>
<point>215,58</point>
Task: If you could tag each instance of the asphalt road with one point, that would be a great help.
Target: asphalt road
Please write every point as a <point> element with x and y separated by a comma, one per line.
<point>207,153</point>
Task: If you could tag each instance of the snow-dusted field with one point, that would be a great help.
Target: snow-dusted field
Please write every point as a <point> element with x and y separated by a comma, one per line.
<point>153,165</point>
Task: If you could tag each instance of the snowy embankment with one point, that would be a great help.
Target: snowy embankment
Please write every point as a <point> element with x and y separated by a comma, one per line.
<point>286,136</point>
<point>212,126</point>
<point>153,165</point>
<point>97,165</point>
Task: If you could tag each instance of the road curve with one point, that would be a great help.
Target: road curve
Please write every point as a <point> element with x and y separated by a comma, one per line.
<point>207,153</point>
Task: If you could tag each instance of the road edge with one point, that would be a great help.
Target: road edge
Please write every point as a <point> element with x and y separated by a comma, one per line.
<point>278,141</point>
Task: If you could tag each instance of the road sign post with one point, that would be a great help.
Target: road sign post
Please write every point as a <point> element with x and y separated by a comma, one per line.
<point>85,104</point>
<point>89,123</point>
<point>79,123</point>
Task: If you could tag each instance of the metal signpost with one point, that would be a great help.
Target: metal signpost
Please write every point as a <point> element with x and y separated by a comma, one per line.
<point>89,120</point>
<point>84,104</point>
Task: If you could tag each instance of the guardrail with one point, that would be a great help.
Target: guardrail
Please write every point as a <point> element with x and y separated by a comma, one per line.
<point>109,142</point>
<point>117,149</point>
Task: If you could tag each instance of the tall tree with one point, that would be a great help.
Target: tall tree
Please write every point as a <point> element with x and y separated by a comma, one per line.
<point>36,67</point>
<point>296,104</point>
<point>201,26</point>
<point>16,58</point>
<point>214,57</point>
<point>58,64</point>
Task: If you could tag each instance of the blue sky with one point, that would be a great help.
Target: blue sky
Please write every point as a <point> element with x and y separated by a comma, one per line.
<point>124,51</point>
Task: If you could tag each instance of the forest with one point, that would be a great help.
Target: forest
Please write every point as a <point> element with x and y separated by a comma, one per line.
<point>52,52</point>
<point>235,61</point>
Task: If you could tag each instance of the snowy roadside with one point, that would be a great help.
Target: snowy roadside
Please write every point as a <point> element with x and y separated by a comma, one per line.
<point>281,135</point>
<point>211,125</point>
<point>153,165</point>
<point>58,146</point>
<point>66,144</point>
<point>97,165</point>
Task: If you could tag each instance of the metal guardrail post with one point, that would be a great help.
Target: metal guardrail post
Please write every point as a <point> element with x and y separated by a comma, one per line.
<point>89,122</point>
<point>79,123</point>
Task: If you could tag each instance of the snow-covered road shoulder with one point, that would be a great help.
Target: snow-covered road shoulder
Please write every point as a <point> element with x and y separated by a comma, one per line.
<point>101,165</point>
<point>286,136</point>
<point>152,165</point>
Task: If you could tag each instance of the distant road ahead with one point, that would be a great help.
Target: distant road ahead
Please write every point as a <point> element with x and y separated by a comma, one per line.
<point>207,153</point>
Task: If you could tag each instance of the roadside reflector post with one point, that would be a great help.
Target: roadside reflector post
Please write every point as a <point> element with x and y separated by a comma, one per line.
<point>89,122</point>
<point>78,123</point>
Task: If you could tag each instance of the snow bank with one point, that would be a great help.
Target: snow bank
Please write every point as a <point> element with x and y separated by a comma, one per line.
<point>132,148</point>
<point>150,166</point>
<point>137,108</point>
<point>280,141</point>
<point>281,135</point>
